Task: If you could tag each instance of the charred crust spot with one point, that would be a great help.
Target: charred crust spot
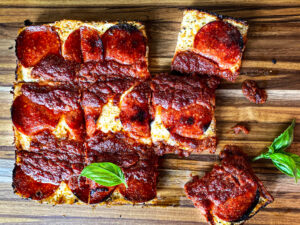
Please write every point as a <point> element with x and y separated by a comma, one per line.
<point>39,194</point>
<point>249,211</point>
<point>99,189</point>
<point>124,26</point>
<point>27,22</point>
<point>139,117</point>
<point>187,120</point>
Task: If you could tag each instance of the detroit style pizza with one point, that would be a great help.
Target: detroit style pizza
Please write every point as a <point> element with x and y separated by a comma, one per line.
<point>83,94</point>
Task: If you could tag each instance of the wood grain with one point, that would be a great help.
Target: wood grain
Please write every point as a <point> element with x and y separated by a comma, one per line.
<point>274,34</point>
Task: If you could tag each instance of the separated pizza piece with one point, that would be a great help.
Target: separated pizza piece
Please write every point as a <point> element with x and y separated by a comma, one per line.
<point>230,193</point>
<point>210,44</point>
<point>183,113</point>
<point>118,104</point>
<point>43,171</point>
<point>138,162</point>
<point>53,107</point>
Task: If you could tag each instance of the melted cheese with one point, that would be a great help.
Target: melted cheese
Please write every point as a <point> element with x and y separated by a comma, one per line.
<point>193,21</point>
<point>62,130</point>
<point>159,132</point>
<point>63,195</point>
<point>109,119</point>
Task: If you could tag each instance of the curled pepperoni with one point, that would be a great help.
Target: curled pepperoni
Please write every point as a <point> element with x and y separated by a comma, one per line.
<point>83,45</point>
<point>91,45</point>
<point>124,43</point>
<point>88,191</point>
<point>30,118</point>
<point>35,42</point>
<point>253,93</point>
<point>72,47</point>
<point>54,68</point>
<point>135,114</point>
<point>221,42</point>
<point>141,184</point>
<point>190,122</point>
<point>29,188</point>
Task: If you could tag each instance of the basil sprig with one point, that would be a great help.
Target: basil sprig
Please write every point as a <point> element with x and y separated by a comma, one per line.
<point>105,173</point>
<point>288,163</point>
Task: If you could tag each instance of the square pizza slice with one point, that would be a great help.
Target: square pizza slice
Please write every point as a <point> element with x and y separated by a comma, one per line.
<point>118,104</point>
<point>138,162</point>
<point>43,171</point>
<point>183,113</point>
<point>68,50</point>
<point>230,193</point>
<point>54,107</point>
<point>210,44</point>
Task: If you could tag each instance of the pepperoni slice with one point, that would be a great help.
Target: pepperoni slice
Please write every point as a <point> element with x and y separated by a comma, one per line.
<point>35,42</point>
<point>124,43</point>
<point>88,191</point>
<point>141,184</point>
<point>54,68</point>
<point>190,122</point>
<point>72,47</point>
<point>30,118</point>
<point>29,188</point>
<point>83,45</point>
<point>91,45</point>
<point>221,42</point>
<point>75,120</point>
<point>135,115</point>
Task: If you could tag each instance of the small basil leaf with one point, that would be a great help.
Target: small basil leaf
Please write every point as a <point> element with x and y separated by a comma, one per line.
<point>104,173</point>
<point>284,140</point>
<point>285,164</point>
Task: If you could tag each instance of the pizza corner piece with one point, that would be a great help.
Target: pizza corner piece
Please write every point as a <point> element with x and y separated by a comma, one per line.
<point>230,193</point>
<point>210,44</point>
<point>57,52</point>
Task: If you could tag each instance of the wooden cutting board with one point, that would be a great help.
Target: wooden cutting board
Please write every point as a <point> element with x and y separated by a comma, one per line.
<point>274,35</point>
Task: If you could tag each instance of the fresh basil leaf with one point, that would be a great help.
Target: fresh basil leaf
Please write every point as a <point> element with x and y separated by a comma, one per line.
<point>296,159</point>
<point>285,164</point>
<point>284,140</point>
<point>105,173</point>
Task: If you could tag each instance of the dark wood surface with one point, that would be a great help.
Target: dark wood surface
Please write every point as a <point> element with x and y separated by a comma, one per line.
<point>274,34</point>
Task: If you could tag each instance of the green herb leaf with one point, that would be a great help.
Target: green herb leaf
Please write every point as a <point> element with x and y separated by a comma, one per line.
<point>287,163</point>
<point>296,159</point>
<point>284,163</point>
<point>284,140</point>
<point>104,173</point>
